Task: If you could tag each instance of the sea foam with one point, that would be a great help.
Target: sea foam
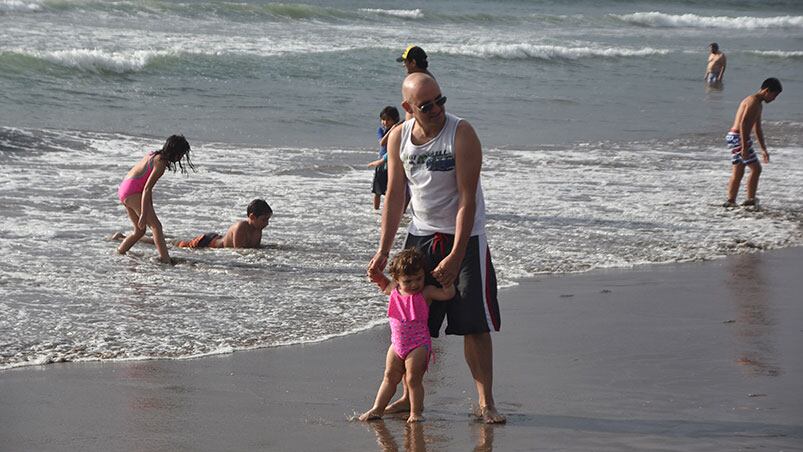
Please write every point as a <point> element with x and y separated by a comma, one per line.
<point>543,52</point>
<point>405,13</point>
<point>658,19</point>
<point>97,60</point>
<point>19,6</point>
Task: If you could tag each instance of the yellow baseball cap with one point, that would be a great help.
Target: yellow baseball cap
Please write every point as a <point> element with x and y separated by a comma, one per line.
<point>412,52</point>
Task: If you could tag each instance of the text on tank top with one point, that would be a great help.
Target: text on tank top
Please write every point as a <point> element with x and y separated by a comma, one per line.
<point>431,176</point>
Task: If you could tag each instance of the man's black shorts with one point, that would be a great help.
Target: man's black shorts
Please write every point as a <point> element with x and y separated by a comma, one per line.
<point>475,308</point>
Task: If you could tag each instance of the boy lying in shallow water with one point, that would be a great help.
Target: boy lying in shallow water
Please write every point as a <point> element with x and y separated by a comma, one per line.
<point>242,234</point>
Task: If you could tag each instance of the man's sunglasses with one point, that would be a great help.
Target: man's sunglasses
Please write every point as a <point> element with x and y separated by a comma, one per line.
<point>427,107</point>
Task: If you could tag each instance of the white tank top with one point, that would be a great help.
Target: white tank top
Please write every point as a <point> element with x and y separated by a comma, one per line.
<point>430,171</point>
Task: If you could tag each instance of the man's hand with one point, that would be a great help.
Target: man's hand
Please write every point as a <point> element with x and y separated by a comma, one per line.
<point>377,265</point>
<point>447,270</point>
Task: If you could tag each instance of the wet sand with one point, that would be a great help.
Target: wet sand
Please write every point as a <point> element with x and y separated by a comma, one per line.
<point>699,356</point>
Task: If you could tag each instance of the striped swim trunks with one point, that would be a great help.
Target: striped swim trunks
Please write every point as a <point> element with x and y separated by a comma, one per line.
<point>735,146</point>
<point>475,308</point>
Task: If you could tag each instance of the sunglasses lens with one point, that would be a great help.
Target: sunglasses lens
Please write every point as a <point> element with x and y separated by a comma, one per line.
<point>427,107</point>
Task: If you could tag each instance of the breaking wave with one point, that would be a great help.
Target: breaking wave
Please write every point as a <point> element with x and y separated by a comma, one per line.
<point>545,52</point>
<point>662,20</point>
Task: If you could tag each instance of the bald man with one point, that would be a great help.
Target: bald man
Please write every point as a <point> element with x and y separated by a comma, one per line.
<point>439,157</point>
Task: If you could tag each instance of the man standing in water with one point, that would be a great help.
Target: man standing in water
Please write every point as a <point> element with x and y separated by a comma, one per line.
<point>439,157</point>
<point>748,117</point>
<point>716,65</point>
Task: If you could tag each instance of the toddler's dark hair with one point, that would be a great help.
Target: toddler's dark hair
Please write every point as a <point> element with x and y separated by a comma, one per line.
<point>175,148</point>
<point>390,112</point>
<point>259,207</point>
<point>407,262</point>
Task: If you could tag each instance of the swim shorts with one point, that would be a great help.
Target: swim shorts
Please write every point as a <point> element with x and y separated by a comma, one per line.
<point>712,77</point>
<point>735,146</point>
<point>475,308</point>
<point>380,180</point>
<point>202,241</point>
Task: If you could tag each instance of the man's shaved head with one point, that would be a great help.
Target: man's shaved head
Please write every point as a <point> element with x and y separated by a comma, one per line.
<point>416,83</point>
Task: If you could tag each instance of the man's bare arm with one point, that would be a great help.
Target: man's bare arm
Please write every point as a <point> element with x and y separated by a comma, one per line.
<point>468,162</point>
<point>394,203</point>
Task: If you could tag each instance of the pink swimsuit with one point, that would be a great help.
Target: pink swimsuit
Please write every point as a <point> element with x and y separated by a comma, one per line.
<point>408,316</point>
<point>135,185</point>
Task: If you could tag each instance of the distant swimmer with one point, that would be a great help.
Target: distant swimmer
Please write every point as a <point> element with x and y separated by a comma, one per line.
<point>242,234</point>
<point>715,70</point>
<point>748,117</point>
<point>136,192</point>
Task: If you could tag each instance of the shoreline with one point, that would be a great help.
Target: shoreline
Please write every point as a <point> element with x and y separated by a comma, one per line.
<point>381,322</point>
<point>701,356</point>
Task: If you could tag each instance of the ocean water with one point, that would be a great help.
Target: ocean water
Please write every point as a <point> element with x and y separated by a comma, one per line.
<point>602,149</point>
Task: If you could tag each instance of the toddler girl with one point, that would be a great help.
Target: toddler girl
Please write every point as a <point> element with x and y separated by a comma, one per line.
<point>411,346</point>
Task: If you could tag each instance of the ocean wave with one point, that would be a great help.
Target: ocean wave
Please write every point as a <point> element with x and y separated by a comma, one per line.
<point>662,20</point>
<point>19,6</point>
<point>235,10</point>
<point>92,60</point>
<point>544,52</point>
<point>405,13</point>
<point>778,53</point>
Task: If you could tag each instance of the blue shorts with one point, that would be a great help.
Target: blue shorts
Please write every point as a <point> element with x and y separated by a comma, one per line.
<point>735,146</point>
<point>712,77</point>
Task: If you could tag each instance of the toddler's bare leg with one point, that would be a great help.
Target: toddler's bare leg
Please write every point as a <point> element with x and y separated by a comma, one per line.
<point>394,371</point>
<point>416,365</point>
<point>402,405</point>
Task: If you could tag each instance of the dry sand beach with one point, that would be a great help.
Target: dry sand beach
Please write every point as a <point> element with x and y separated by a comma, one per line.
<point>698,356</point>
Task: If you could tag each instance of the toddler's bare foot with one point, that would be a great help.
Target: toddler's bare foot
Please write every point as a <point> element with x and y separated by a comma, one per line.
<point>399,406</point>
<point>415,418</point>
<point>371,415</point>
<point>489,415</point>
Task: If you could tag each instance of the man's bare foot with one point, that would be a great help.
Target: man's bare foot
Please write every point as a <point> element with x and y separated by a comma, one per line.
<point>370,415</point>
<point>489,415</point>
<point>415,418</point>
<point>399,406</point>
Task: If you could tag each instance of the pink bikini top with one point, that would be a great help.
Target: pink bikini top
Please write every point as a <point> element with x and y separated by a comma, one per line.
<point>406,308</point>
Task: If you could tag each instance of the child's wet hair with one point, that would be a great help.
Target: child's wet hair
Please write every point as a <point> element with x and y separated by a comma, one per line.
<point>258,207</point>
<point>407,262</point>
<point>175,148</point>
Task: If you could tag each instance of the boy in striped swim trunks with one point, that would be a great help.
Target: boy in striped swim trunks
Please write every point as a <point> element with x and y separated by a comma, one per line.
<point>748,118</point>
<point>242,234</point>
